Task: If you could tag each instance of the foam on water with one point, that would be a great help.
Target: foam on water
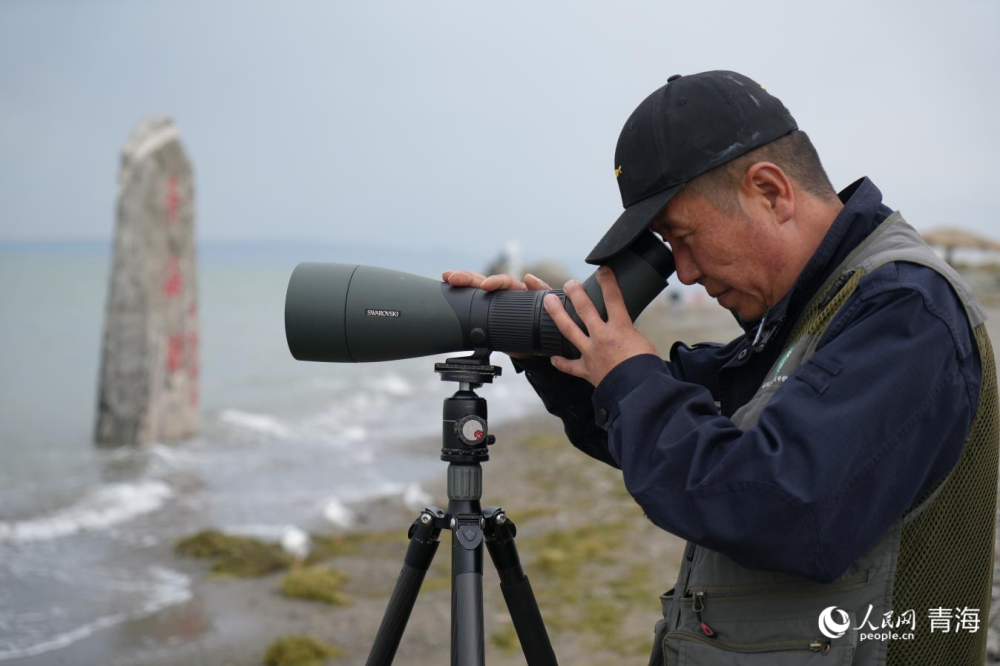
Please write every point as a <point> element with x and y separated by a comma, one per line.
<point>101,509</point>
<point>263,531</point>
<point>173,456</point>
<point>374,491</point>
<point>354,434</point>
<point>295,542</point>
<point>336,510</point>
<point>391,384</point>
<point>259,423</point>
<point>336,513</point>
<point>416,498</point>
<point>160,587</point>
<point>376,408</point>
<point>61,640</point>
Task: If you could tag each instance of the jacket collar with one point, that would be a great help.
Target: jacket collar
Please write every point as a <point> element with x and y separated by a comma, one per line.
<point>863,211</point>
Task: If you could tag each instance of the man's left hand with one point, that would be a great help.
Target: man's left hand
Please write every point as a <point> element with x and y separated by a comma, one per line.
<point>608,343</point>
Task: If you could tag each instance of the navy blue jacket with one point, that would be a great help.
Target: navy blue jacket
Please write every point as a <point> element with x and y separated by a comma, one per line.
<point>854,438</point>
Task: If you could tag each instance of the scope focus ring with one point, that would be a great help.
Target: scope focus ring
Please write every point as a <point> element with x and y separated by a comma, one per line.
<point>471,430</point>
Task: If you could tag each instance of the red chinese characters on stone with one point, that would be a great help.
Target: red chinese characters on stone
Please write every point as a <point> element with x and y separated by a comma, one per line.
<point>175,352</point>
<point>172,280</point>
<point>192,345</point>
<point>173,200</point>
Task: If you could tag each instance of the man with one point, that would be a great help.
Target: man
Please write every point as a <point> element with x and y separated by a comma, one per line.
<point>837,462</point>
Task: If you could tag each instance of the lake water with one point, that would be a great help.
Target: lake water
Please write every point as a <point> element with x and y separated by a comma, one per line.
<point>282,443</point>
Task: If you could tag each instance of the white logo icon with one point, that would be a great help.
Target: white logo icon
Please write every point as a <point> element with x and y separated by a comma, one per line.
<point>831,628</point>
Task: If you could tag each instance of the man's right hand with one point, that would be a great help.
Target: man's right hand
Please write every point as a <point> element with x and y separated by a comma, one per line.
<point>494,283</point>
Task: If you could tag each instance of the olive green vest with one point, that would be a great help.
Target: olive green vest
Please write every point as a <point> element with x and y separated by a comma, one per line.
<point>938,555</point>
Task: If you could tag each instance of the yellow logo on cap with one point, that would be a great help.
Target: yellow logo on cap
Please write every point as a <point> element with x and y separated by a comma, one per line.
<point>618,172</point>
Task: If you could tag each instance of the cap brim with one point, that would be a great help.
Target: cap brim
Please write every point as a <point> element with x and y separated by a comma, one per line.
<point>632,222</point>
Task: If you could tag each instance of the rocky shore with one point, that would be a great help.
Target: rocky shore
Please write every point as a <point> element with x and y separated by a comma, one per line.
<point>595,562</point>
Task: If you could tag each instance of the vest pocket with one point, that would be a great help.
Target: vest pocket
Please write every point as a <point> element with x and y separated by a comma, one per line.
<point>748,626</point>
<point>662,628</point>
<point>687,648</point>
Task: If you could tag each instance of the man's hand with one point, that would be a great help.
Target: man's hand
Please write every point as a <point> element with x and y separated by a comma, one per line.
<point>608,344</point>
<point>494,283</point>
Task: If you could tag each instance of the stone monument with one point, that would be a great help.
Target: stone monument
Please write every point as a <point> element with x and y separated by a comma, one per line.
<point>149,367</point>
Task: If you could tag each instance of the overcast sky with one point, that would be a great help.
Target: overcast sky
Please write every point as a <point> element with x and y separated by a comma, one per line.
<point>420,124</point>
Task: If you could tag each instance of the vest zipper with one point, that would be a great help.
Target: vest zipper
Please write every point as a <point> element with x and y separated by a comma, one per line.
<point>697,597</point>
<point>804,644</point>
<point>760,330</point>
<point>725,592</point>
<point>698,605</point>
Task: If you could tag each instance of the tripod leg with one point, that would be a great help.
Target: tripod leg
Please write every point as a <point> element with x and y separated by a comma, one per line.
<point>467,632</point>
<point>521,604</point>
<point>423,544</point>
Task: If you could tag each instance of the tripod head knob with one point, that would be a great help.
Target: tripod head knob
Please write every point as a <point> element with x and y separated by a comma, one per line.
<point>471,430</point>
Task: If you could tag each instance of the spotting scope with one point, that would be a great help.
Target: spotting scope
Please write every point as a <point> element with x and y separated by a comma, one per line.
<point>349,313</point>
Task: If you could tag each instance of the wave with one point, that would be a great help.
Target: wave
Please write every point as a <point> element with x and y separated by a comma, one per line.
<point>260,423</point>
<point>391,384</point>
<point>263,531</point>
<point>166,588</point>
<point>377,408</point>
<point>62,640</point>
<point>173,456</point>
<point>416,498</point>
<point>103,508</point>
<point>337,511</point>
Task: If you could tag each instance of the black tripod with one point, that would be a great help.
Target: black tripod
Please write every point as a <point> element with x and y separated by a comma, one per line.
<point>464,446</point>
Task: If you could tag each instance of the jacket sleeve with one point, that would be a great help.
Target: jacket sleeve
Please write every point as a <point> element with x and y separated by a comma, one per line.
<point>842,450</point>
<point>571,398</point>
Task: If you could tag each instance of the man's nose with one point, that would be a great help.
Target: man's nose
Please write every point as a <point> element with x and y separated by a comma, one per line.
<point>687,270</point>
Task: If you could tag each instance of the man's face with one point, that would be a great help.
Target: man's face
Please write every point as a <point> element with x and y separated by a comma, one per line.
<point>732,255</point>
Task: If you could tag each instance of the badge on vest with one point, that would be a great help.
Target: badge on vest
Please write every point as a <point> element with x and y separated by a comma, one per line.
<point>775,377</point>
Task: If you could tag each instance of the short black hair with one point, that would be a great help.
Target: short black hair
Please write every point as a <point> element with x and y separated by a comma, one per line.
<point>793,152</point>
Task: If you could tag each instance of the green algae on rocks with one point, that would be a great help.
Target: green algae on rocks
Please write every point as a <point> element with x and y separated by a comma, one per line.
<point>299,651</point>
<point>352,543</point>
<point>316,583</point>
<point>240,556</point>
<point>247,557</point>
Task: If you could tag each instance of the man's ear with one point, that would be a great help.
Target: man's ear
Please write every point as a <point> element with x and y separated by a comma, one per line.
<point>766,184</point>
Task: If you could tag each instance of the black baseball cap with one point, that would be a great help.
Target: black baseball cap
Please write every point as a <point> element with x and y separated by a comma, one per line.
<point>692,124</point>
